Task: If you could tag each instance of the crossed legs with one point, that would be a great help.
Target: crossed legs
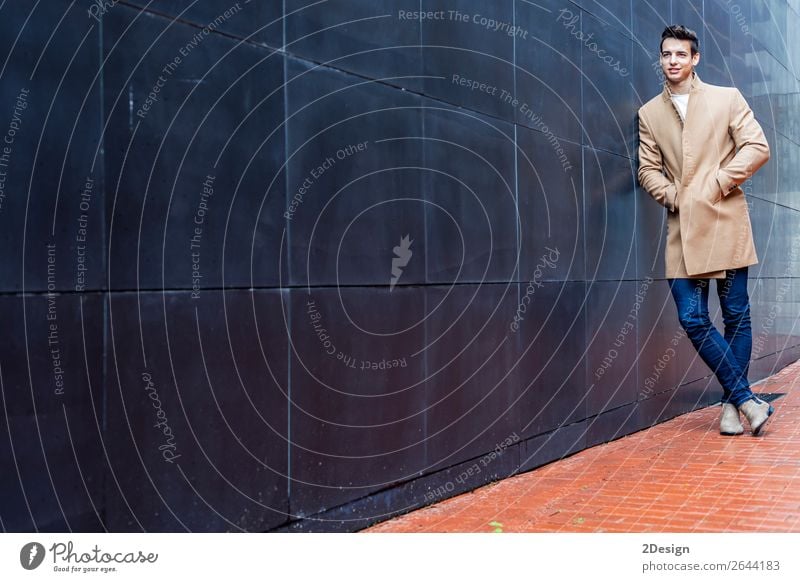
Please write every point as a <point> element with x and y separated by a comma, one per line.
<point>728,356</point>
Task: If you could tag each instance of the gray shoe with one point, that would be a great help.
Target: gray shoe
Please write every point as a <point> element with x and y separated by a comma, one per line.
<point>756,411</point>
<point>729,423</point>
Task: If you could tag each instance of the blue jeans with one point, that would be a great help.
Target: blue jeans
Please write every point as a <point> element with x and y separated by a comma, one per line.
<point>729,356</point>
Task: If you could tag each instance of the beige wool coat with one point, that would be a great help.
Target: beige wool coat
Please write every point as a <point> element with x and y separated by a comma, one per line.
<point>695,169</point>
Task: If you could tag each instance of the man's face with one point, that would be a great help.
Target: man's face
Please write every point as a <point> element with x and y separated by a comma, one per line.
<point>677,60</point>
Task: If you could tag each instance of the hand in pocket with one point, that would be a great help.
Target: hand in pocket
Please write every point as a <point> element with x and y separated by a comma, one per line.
<point>715,192</point>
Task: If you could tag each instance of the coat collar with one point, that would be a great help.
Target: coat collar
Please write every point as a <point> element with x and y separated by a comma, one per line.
<point>696,86</point>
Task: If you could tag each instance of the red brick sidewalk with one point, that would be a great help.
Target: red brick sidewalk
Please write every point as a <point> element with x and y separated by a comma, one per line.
<point>679,476</point>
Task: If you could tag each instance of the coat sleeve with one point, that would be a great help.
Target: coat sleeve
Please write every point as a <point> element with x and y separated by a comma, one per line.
<point>651,175</point>
<point>751,144</point>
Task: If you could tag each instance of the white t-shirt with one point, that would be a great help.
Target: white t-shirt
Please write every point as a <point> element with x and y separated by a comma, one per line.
<point>682,103</point>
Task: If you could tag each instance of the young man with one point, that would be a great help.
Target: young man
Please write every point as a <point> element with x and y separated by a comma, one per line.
<point>697,144</point>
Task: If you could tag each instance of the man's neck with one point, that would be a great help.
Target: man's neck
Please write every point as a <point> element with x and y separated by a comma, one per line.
<point>681,88</point>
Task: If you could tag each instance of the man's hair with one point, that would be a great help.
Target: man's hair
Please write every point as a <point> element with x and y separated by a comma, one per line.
<point>680,32</point>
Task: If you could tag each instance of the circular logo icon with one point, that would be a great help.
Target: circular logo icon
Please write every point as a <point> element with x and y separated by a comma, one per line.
<point>31,555</point>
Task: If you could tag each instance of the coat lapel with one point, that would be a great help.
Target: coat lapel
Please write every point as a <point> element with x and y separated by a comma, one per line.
<point>695,97</point>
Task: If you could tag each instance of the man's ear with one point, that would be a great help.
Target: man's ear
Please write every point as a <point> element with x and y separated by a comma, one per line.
<point>695,59</point>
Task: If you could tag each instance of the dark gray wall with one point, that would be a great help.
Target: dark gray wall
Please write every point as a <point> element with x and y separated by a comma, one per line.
<point>211,402</point>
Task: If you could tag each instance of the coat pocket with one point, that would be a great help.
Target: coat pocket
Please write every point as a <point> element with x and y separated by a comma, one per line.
<point>716,192</point>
